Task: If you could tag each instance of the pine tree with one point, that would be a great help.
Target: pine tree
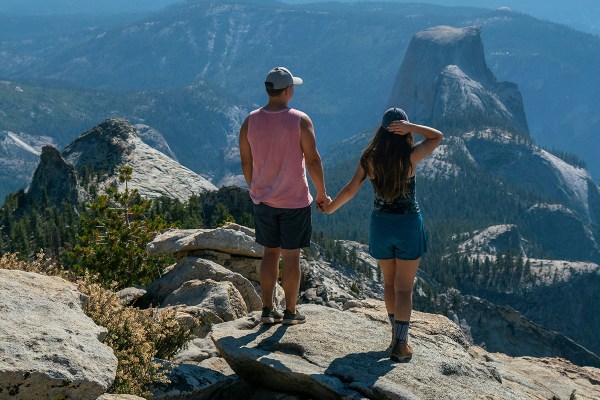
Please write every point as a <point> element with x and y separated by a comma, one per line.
<point>115,229</point>
<point>221,215</point>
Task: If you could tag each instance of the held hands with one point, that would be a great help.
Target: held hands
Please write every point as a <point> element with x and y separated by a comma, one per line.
<point>322,201</point>
<point>327,209</point>
<point>400,127</point>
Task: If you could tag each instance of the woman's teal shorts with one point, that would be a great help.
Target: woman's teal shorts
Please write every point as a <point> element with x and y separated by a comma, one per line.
<point>399,236</point>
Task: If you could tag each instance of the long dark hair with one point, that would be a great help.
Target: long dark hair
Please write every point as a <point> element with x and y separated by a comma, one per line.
<point>389,156</point>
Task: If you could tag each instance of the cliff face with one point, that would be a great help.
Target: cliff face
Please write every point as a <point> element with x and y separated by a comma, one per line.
<point>19,156</point>
<point>54,180</point>
<point>444,81</point>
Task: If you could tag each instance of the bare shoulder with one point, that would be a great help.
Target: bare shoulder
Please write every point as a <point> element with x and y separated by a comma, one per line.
<point>305,119</point>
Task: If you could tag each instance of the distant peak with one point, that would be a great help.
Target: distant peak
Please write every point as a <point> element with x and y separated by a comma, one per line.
<point>50,152</point>
<point>444,35</point>
<point>116,127</point>
<point>444,80</point>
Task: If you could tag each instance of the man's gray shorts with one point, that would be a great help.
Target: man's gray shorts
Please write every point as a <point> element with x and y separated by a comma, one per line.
<point>288,228</point>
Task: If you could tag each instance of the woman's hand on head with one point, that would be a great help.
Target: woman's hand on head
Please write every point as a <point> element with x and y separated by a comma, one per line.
<point>400,127</point>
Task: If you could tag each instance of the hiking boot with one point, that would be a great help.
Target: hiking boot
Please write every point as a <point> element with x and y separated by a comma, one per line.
<point>401,351</point>
<point>270,316</point>
<point>293,319</point>
<point>389,348</point>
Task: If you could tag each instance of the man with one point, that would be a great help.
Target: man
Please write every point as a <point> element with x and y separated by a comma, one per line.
<point>276,144</point>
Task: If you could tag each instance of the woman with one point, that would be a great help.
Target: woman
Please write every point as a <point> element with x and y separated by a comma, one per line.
<point>397,238</point>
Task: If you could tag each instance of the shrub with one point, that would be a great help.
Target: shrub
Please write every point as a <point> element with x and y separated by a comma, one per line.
<point>136,336</point>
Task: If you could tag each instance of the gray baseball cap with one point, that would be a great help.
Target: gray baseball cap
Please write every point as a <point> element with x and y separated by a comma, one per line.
<point>281,77</point>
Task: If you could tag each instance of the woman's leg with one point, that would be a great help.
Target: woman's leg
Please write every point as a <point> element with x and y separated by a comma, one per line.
<point>388,269</point>
<point>406,270</point>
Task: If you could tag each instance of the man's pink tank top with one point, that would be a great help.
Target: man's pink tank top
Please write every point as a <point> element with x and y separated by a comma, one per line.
<point>278,167</point>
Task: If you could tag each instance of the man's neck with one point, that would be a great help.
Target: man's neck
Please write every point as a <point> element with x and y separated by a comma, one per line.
<point>276,104</point>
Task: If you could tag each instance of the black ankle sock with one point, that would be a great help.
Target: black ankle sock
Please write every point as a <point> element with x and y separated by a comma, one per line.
<point>401,331</point>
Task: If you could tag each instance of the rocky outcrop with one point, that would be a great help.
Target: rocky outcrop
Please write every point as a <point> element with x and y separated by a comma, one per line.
<point>231,239</point>
<point>341,354</point>
<point>115,143</point>
<point>54,180</point>
<point>94,159</point>
<point>497,239</point>
<point>575,241</point>
<point>444,81</point>
<point>503,329</point>
<point>527,166</point>
<point>194,268</point>
<point>48,347</point>
<point>19,157</point>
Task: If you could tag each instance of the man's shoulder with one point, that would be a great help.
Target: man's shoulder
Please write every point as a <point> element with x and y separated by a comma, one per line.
<point>256,111</point>
<point>299,113</point>
<point>302,116</point>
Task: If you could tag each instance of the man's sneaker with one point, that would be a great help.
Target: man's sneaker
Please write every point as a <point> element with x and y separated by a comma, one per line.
<point>401,351</point>
<point>293,319</point>
<point>270,316</point>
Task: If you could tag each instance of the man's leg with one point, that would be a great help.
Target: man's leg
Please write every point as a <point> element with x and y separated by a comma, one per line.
<point>269,271</point>
<point>296,229</point>
<point>291,285</point>
<point>291,277</point>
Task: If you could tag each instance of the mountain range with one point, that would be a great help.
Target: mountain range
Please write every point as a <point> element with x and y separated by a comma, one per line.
<point>348,72</point>
<point>580,14</point>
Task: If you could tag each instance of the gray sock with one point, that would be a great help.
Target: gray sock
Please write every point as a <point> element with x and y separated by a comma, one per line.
<point>401,331</point>
<point>391,318</point>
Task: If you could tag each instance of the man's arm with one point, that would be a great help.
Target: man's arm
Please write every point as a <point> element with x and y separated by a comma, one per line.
<point>246,153</point>
<point>312,157</point>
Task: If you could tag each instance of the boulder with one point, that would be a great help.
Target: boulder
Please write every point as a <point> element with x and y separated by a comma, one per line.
<point>192,268</point>
<point>197,350</point>
<point>128,296</point>
<point>228,239</point>
<point>199,320</point>
<point>220,298</point>
<point>341,354</point>
<point>48,347</point>
<point>247,267</point>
